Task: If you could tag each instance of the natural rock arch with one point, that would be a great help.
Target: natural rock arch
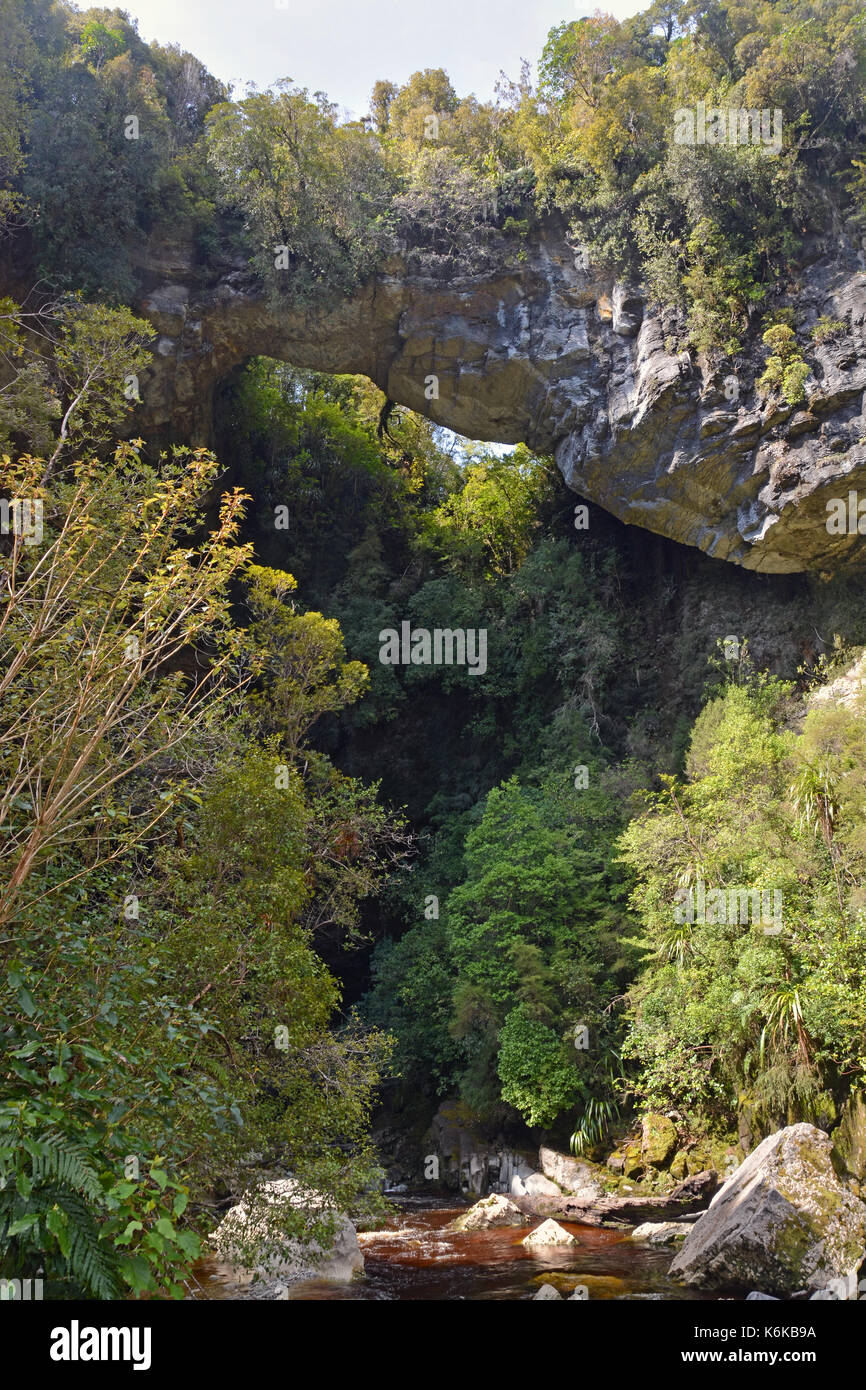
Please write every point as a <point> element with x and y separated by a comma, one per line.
<point>549,352</point>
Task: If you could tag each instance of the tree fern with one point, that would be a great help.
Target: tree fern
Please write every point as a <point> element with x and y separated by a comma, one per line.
<point>60,1197</point>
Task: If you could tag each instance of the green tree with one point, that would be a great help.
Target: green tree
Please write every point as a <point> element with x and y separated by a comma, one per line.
<point>304,183</point>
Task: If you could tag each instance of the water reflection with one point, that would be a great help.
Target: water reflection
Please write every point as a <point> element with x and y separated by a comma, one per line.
<point>416,1257</point>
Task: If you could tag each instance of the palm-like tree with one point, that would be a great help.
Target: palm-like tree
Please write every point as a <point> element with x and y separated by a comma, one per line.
<point>816,802</point>
<point>783,1007</point>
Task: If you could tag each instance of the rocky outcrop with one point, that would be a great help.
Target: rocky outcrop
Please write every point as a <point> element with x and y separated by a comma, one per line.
<point>783,1221</point>
<point>687,1198</point>
<point>658,1140</point>
<point>849,1143</point>
<point>250,1239</point>
<point>492,1211</point>
<point>544,350</point>
<point>572,1175</point>
<point>457,1156</point>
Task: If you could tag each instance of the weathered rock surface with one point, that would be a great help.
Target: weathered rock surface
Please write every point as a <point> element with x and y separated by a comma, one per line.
<point>495,1210</point>
<point>660,1232</point>
<point>783,1221</point>
<point>250,1240</point>
<point>849,1140</point>
<point>658,1140</point>
<point>550,1233</point>
<point>688,1197</point>
<point>850,1287</point>
<point>572,1175</point>
<point>465,1159</point>
<point>542,350</point>
<point>537,1185</point>
<point>547,1294</point>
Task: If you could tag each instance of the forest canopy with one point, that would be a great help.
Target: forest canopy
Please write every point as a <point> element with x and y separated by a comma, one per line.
<point>710,227</point>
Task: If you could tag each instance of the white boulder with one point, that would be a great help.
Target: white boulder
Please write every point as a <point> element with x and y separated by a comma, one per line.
<point>550,1233</point>
<point>251,1238</point>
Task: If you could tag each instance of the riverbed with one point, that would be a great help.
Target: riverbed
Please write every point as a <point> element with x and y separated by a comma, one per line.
<point>414,1257</point>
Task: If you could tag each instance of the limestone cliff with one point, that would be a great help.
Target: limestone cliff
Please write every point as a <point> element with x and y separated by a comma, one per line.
<point>544,350</point>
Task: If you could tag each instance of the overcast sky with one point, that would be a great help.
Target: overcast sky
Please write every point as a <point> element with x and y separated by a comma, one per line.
<point>342,46</point>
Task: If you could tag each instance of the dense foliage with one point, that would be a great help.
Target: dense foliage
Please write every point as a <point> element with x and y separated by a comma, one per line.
<point>709,215</point>
<point>252,877</point>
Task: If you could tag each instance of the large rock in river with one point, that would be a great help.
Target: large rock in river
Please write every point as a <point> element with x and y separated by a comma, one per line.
<point>782,1222</point>
<point>550,1233</point>
<point>495,1210</point>
<point>251,1238</point>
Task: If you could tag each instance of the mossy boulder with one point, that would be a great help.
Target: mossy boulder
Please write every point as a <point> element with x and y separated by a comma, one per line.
<point>679,1165</point>
<point>849,1139</point>
<point>633,1160</point>
<point>491,1211</point>
<point>658,1140</point>
<point>784,1221</point>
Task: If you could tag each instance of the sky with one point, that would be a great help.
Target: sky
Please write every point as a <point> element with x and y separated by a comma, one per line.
<point>342,46</point>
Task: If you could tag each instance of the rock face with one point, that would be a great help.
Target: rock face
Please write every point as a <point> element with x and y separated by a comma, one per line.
<point>660,1232</point>
<point>571,1174</point>
<point>849,1141</point>
<point>783,1221</point>
<point>542,350</point>
<point>466,1160</point>
<point>658,1140</point>
<point>495,1210</point>
<point>249,1239</point>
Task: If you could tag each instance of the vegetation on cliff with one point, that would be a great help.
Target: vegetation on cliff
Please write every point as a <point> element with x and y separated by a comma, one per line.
<point>249,873</point>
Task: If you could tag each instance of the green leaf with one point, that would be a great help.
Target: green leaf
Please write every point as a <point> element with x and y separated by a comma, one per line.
<point>135,1271</point>
<point>189,1243</point>
<point>25,999</point>
<point>24,1223</point>
<point>58,1224</point>
<point>129,1233</point>
<point>124,1189</point>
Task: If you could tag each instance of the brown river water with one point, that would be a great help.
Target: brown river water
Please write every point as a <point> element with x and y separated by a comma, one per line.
<point>414,1257</point>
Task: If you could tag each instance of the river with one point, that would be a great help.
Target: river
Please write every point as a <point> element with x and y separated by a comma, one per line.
<point>416,1257</point>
